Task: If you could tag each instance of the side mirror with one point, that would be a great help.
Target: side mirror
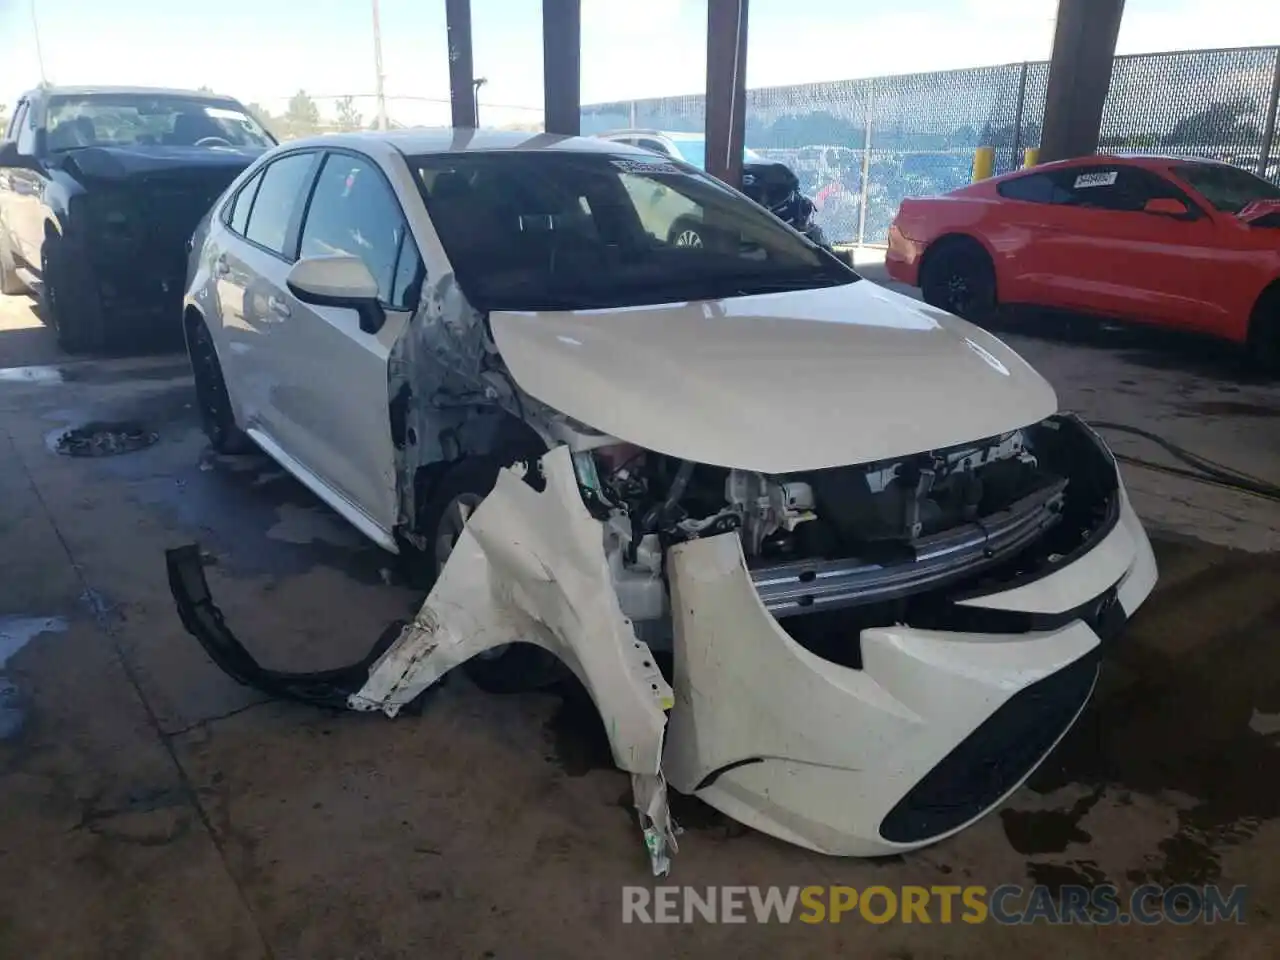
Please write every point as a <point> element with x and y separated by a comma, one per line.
<point>10,157</point>
<point>338,281</point>
<point>1166,207</point>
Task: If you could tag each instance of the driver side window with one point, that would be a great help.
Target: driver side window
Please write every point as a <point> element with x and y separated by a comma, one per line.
<point>25,132</point>
<point>353,211</point>
<point>11,132</point>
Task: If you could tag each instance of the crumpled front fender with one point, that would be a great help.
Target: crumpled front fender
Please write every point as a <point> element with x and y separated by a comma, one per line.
<point>530,567</point>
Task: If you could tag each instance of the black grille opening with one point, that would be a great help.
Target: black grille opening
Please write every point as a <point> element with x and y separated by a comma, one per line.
<point>998,754</point>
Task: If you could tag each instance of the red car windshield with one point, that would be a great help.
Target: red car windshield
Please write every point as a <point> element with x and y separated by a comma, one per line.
<point>1229,189</point>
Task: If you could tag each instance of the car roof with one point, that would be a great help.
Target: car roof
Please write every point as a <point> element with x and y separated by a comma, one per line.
<point>426,140</point>
<point>89,91</point>
<point>1145,160</point>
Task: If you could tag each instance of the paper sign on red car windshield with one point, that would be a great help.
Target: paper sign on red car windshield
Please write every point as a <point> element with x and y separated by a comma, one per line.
<point>1095,180</point>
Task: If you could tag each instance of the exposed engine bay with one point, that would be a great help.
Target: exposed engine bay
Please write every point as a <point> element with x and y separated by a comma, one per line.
<point>850,536</point>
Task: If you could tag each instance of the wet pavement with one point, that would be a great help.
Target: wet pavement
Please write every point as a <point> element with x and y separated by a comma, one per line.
<point>150,807</point>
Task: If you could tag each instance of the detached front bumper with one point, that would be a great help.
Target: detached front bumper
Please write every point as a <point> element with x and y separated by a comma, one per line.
<point>936,728</point>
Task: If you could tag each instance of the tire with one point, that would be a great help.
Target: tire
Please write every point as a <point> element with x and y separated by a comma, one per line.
<point>515,667</point>
<point>10,285</point>
<point>1264,331</point>
<point>68,300</point>
<point>686,232</point>
<point>958,276</point>
<point>217,417</point>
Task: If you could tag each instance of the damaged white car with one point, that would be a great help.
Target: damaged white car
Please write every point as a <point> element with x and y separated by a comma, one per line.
<point>827,558</point>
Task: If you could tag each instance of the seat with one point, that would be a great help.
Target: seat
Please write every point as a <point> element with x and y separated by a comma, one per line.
<point>189,128</point>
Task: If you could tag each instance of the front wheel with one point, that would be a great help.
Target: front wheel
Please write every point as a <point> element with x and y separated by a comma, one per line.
<point>510,668</point>
<point>686,232</point>
<point>68,300</point>
<point>959,277</point>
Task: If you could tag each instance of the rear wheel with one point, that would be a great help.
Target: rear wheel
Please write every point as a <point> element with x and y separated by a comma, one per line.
<point>958,276</point>
<point>513,667</point>
<point>1264,331</point>
<point>217,418</point>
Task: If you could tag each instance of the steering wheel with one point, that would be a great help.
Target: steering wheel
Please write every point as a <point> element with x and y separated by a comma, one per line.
<point>212,142</point>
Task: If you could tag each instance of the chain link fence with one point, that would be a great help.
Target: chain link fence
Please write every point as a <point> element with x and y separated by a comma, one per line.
<point>860,146</point>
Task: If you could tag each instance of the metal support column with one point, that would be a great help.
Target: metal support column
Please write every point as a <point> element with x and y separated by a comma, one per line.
<point>1016,160</point>
<point>1269,126</point>
<point>1084,46</point>
<point>462,95</point>
<point>561,71</point>
<point>726,88</point>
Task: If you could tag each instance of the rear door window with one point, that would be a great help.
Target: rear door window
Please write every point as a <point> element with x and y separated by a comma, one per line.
<point>1033,188</point>
<point>24,132</point>
<point>278,199</point>
<point>238,216</point>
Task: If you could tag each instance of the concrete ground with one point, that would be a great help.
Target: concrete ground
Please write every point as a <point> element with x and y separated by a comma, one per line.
<point>150,807</point>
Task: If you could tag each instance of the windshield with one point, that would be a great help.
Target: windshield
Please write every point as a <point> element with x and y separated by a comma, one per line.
<point>554,230</point>
<point>694,150</point>
<point>101,120</point>
<point>1229,189</point>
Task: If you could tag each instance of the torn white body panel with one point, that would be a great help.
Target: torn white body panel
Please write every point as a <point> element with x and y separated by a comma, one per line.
<point>530,567</point>
<point>898,754</point>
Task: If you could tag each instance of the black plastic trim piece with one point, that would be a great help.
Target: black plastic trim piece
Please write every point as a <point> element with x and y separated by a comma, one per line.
<point>715,775</point>
<point>987,763</point>
<point>203,620</point>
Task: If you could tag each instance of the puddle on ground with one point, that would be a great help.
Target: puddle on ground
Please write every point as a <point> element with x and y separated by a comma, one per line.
<point>16,633</point>
<point>31,375</point>
<point>1048,831</point>
<point>1188,707</point>
<point>95,373</point>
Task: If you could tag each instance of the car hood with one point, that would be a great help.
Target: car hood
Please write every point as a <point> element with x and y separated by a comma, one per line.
<point>777,383</point>
<point>128,162</point>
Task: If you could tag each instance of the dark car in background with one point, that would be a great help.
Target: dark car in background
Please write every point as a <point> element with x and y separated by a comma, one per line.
<point>100,189</point>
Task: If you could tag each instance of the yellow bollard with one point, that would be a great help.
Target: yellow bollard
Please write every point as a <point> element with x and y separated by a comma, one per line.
<point>984,163</point>
<point>1030,157</point>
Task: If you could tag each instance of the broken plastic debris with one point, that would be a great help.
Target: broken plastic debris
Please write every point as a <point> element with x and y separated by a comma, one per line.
<point>660,830</point>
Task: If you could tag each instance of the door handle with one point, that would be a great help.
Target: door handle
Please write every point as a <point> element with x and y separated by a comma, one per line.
<point>278,306</point>
<point>220,266</point>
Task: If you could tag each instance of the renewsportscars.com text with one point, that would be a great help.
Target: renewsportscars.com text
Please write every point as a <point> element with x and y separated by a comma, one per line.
<point>1006,904</point>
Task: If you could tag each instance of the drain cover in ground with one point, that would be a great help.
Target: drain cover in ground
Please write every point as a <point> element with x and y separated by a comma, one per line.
<point>105,439</point>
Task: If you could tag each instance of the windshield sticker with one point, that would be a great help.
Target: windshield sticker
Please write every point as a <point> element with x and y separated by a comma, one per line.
<point>645,166</point>
<point>1095,180</point>
<point>221,113</point>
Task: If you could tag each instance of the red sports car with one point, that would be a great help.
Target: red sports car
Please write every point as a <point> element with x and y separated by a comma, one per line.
<point>1184,243</point>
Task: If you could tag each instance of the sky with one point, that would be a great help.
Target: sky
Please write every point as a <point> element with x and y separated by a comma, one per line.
<point>265,50</point>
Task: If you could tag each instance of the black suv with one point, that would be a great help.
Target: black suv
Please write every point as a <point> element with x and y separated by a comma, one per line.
<point>100,188</point>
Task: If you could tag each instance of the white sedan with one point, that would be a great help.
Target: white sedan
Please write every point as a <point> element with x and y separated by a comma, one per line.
<point>876,564</point>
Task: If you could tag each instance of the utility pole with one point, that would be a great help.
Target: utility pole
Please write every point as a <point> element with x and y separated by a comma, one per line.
<point>377,66</point>
<point>476,84</point>
<point>462,93</point>
<point>35,29</point>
